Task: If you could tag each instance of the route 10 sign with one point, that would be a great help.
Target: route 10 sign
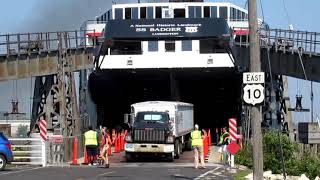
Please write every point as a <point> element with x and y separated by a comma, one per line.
<point>253,91</point>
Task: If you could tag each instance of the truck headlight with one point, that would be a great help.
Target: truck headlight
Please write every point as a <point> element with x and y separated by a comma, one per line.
<point>170,139</point>
<point>128,138</point>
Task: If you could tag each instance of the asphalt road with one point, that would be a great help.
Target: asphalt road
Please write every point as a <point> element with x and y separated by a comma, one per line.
<point>130,171</point>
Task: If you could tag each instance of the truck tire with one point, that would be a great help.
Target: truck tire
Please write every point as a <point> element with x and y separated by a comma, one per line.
<point>3,162</point>
<point>181,148</point>
<point>129,157</point>
<point>170,157</point>
<point>177,149</point>
<point>188,145</point>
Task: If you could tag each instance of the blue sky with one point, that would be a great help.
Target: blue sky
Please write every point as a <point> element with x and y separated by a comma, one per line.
<point>40,15</point>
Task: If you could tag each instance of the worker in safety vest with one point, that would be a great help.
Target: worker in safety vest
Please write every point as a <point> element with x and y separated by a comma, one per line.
<point>91,143</point>
<point>197,145</point>
<point>224,141</point>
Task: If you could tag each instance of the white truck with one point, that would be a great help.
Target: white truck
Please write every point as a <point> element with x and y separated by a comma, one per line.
<point>159,128</point>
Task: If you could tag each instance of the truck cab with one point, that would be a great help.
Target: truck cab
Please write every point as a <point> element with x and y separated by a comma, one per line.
<point>150,133</point>
<point>158,128</point>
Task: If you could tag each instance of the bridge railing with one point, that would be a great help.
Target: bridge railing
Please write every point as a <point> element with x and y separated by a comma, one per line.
<point>26,43</point>
<point>285,40</point>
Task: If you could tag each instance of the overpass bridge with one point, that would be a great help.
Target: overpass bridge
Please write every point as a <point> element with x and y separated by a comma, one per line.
<point>290,53</point>
<point>50,56</point>
<point>36,54</point>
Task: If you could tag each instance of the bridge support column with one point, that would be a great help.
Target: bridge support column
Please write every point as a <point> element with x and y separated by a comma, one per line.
<point>55,99</point>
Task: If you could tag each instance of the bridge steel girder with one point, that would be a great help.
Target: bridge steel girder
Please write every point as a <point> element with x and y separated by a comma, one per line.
<point>42,63</point>
<point>282,63</point>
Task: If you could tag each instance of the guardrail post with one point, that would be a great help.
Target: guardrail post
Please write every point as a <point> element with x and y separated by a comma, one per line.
<point>305,41</point>
<point>85,38</point>
<point>315,42</point>
<point>76,36</point>
<point>293,42</point>
<point>310,53</point>
<point>8,44</point>
<point>19,45</point>
<point>95,38</point>
<point>276,40</point>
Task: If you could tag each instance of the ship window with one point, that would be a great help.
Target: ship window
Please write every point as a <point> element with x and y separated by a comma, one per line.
<point>186,45</point>
<point>238,15</point>
<point>233,15</point>
<point>206,11</point>
<point>143,12</point>
<point>191,11</point>
<point>158,12</point>
<point>118,13</point>
<point>108,15</point>
<point>170,46</point>
<point>127,13</point>
<point>135,13</point>
<point>198,11</point>
<point>126,48</point>
<point>149,12</point>
<point>211,46</point>
<point>223,12</point>
<point>166,12</point>
<point>214,13</point>
<point>179,13</point>
<point>152,46</point>
<point>243,16</point>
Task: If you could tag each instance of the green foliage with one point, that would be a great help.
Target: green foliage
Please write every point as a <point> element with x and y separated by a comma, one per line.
<point>244,156</point>
<point>294,164</point>
<point>22,131</point>
<point>242,174</point>
<point>272,150</point>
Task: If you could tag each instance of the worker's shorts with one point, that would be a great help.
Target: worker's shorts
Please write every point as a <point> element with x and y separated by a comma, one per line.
<point>198,148</point>
<point>91,150</point>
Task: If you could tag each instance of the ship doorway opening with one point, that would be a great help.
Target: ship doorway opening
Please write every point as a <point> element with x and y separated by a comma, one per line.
<point>215,93</point>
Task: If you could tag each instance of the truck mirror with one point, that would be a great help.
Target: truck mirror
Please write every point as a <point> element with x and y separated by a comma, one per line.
<point>131,119</point>
<point>126,119</point>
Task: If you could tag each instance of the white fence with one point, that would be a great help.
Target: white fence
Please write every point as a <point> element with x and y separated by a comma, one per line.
<point>29,151</point>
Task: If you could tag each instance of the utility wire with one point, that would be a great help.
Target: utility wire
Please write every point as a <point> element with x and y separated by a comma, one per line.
<point>286,11</point>
<point>279,128</point>
<point>261,7</point>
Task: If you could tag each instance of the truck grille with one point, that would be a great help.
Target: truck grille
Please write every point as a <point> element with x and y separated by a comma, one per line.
<point>149,135</point>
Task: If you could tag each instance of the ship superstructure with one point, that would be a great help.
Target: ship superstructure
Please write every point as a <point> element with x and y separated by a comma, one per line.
<point>168,51</point>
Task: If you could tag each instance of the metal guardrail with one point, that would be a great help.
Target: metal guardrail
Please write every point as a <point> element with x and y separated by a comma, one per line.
<point>26,43</point>
<point>285,40</point>
<point>31,151</point>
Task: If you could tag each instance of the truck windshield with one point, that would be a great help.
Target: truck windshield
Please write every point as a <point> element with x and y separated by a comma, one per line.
<point>152,116</point>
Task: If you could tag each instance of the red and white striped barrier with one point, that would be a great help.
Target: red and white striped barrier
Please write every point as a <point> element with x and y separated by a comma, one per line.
<point>233,136</point>
<point>43,129</point>
<point>233,129</point>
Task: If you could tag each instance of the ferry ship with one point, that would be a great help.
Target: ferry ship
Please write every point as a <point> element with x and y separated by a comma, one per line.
<point>168,50</point>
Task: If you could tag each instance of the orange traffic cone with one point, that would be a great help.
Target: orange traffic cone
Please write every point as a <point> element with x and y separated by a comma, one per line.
<point>116,144</point>
<point>85,160</point>
<point>122,141</point>
<point>209,135</point>
<point>75,152</point>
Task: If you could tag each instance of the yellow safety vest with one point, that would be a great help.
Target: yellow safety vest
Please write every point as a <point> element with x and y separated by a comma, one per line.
<point>90,138</point>
<point>196,138</point>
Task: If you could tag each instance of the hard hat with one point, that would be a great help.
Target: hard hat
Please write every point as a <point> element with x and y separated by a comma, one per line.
<point>196,126</point>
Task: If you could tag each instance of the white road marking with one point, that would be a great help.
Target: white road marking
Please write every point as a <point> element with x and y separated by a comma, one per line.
<point>14,172</point>
<point>206,173</point>
<point>104,174</point>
